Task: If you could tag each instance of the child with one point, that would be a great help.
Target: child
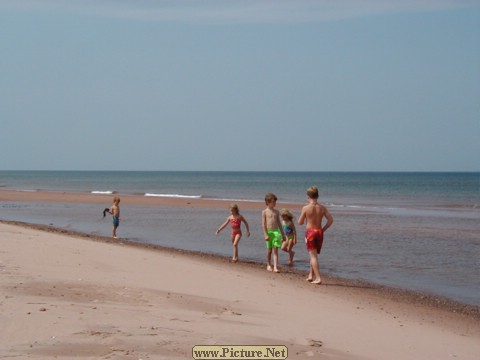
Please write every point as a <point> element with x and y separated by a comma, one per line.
<point>235,221</point>
<point>290,234</point>
<point>115,211</point>
<point>272,231</point>
<point>314,213</point>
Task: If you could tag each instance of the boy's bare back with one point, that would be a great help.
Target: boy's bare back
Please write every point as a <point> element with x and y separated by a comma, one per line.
<point>314,213</point>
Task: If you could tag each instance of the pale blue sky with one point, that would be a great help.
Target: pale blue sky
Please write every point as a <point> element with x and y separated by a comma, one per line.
<point>240,85</point>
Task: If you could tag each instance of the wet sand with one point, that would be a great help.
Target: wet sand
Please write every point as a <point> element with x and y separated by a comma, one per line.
<point>71,295</point>
<point>60,197</point>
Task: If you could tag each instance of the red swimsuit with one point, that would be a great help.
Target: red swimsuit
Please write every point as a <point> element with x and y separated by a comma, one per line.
<point>236,229</point>
<point>314,239</point>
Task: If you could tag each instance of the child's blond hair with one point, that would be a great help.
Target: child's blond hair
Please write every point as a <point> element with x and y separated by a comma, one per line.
<point>312,192</point>
<point>234,207</point>
<point>286,213</point>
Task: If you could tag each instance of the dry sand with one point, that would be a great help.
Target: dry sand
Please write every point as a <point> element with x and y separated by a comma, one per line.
<point>72,296</point>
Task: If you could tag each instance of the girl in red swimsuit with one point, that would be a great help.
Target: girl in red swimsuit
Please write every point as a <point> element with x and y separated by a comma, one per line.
<point>235,220</point>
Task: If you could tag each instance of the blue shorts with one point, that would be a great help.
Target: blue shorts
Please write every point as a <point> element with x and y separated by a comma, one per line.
<point>116,221</point>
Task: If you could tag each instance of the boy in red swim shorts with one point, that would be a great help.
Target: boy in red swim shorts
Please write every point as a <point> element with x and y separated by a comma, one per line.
<point>314,239</point>
<point>313,214</point>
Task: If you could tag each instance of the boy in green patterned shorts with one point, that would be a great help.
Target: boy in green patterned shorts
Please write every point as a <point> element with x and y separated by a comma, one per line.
<point>272,231</point>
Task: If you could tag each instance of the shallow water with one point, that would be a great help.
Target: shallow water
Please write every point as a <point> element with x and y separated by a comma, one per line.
<point>399,251</point>
<point>414,231</point>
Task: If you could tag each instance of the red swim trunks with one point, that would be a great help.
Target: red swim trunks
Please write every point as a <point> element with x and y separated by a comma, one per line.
<point>314,239</point>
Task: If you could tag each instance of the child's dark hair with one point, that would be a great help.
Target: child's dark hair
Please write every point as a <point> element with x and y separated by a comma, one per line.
<point>269,198</point>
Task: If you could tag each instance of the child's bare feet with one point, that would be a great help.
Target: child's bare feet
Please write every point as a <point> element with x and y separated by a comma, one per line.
<point>317,282</point>
<point>309,279</point>
<point>276,270</point>
<point>269,268</point>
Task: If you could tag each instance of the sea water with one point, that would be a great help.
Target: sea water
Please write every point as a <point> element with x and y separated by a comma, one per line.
<point>418,231</point>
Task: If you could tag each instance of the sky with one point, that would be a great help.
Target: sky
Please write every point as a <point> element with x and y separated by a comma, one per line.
<point>240,85</point>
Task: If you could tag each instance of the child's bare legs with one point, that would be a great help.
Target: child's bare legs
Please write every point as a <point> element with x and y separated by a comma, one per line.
<point>314,274</point>
<point>275,259</point>
<point>269,259</point>
<point>287,247</point>
<point>114,232</point>
<point>291,254</point>
<point>235,241</point>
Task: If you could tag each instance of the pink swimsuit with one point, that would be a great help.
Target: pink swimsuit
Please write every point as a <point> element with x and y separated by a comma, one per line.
<point>236,229</point>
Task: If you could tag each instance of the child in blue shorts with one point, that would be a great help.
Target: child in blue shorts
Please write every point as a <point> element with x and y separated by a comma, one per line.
<point>115,211</point>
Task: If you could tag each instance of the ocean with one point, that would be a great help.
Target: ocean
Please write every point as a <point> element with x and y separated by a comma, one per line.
<point>416,231</point>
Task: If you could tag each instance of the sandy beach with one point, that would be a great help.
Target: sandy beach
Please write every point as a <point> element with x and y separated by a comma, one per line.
<point>67,296</point>
<point>61,197</point>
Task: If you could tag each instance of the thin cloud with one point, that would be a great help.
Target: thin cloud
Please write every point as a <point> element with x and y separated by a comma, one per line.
<point>235,11</point>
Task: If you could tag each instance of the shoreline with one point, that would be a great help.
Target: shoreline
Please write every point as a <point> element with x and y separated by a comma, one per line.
<point>141,200</point>
<point>126,199</point>
<point>67,294</point>
<point>399,295</point>
<point>39,196</point>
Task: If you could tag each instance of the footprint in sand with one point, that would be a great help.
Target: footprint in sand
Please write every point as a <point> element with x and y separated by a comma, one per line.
<point>309,342</point>
<point>315,343</point>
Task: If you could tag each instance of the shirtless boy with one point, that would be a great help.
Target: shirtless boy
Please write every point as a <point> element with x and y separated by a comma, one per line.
<point>313,214</point>
<point>272,231</point>
<point>115,211</point>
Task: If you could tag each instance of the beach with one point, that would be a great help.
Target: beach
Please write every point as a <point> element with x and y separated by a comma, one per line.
<point>73,295</point>
<point>385,234</point>
<point>75,198</point>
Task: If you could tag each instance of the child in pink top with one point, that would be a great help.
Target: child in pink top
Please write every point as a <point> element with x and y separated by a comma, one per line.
<point>235,220</point>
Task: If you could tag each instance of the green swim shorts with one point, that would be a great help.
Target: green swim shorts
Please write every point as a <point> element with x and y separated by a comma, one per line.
<point>274,239</point>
